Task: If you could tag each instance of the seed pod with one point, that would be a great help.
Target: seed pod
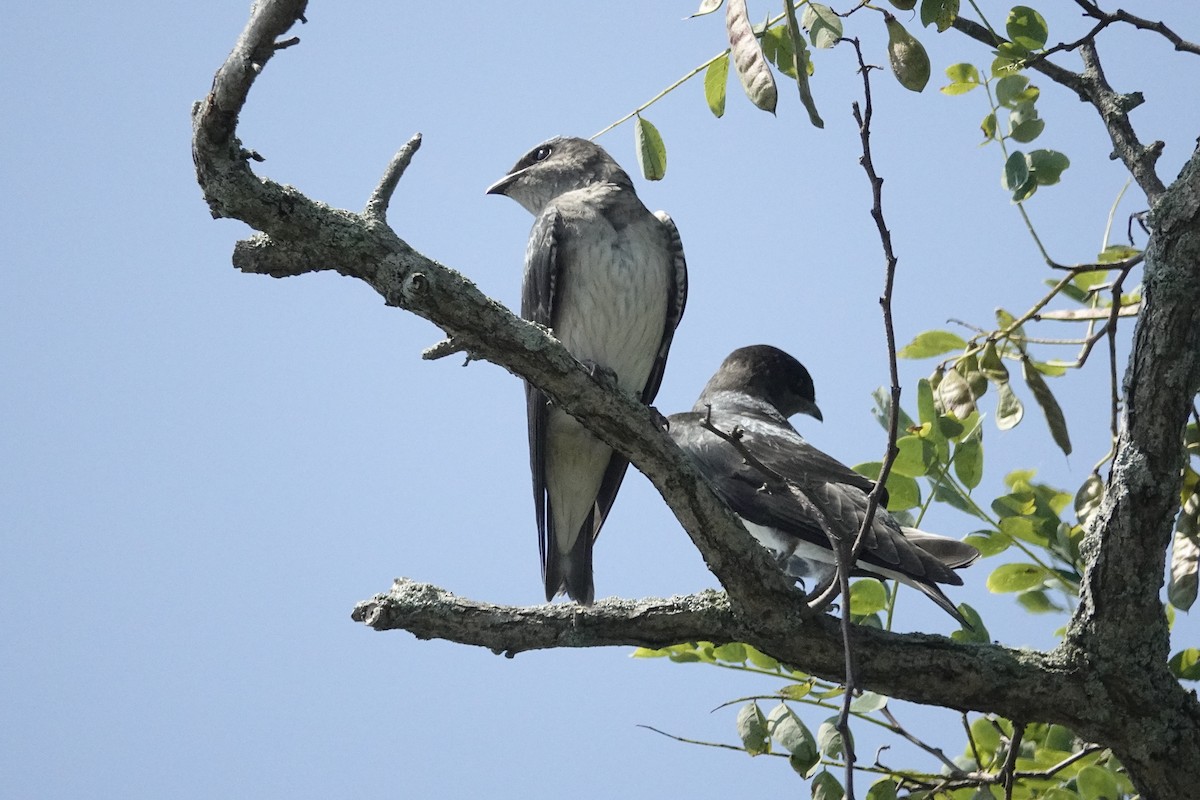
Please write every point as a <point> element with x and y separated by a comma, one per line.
<point>910,62</point>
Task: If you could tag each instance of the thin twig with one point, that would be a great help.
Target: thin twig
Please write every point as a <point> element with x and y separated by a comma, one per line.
<point>377,205</point>
<point>1120,15</point>
<point>1007,772</point>
<point>936,752</point>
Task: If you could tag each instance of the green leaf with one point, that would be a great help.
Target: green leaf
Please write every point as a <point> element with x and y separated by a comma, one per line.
<point>1050,407</point>
<point>963,78</point>
<point>1009,410</point>
<point>992,365</point>
<point>652,153</point>
<point>978,632</point>
<point>939,12</point>
<point>732,653</point>
<point>867,596</point>
<point>707,7</point>
<point>1096,783</point>
<point>903,492</point>
<point>752,729</point>
<point>826,787</point>
<point>987,543</point>
<point>1026,28</point>
<point>907,56</point>
<point>1036,601</point>
<point>904,5</point>
<point>748,58</point>
<point>968,462</point>
<point>1016,171</point>
<point>988,126</point>
<point>824,27</point>
<point>1116,252</point>
<point>1011,90</point>
<point>926,410</point>
<point>867,702</point>
<point>932,343</point>
<point>1185,664</point>
<point>882,789</point>
<point>1024,124</point>
<point>1185,555</point>
<point>829,738</point>
<point>716,77</point>
<point>1087,499</point>
<point>916,456</point>
<point>761,660</point>
<point>1015,578</point>
<point>802,64</point>
<point>985,736</point>
<point>796,691</point>
<point>1047,166</point>
<point>794,736</point>
<point>1027,528</point>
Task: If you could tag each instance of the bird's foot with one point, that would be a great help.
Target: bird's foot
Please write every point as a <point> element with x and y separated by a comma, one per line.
<point>660,419</point>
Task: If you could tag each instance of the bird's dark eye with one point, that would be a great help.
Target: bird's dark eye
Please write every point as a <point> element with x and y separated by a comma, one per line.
<point>542,154</point>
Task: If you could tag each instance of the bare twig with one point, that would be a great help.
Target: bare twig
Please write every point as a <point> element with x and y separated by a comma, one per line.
<point>936,752</point>
<point>1007,772</point>
<point>1121,15</point>
<point>377,205</point>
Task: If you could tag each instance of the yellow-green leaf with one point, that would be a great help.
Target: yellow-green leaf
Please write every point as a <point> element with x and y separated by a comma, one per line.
<point>932,343</point>
<point>716,77</point>
<point>1015,578</point>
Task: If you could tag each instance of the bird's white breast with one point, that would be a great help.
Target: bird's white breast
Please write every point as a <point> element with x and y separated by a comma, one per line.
<point>612,294</point>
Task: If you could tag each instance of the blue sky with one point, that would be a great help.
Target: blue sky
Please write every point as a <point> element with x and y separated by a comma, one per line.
<point>205,470</point>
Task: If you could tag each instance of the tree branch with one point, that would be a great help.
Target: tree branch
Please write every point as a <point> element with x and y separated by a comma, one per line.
<point>429,612</point>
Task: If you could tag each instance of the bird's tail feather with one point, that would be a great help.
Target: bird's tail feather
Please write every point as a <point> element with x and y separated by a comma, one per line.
<point>935,594</point>
<point>571,572</point>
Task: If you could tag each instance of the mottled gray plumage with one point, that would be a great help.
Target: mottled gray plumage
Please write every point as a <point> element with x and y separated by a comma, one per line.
<point>756,389</point>
<point>609,279</point>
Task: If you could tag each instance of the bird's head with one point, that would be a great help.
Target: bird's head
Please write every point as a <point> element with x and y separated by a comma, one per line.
<point>769,374</point>
<point>555,166</point>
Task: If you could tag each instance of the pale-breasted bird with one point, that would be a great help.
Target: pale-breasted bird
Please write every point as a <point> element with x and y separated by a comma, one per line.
<point>754,391</point>
<point>609,279</point>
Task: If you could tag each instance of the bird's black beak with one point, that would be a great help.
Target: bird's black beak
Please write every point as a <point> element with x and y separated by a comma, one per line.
<point>811,409</point>
<point>501,186</point>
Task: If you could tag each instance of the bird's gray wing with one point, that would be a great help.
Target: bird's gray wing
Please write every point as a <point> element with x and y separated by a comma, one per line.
<point>676,302</point>
<point>538,290</point>
<point>818,481</point>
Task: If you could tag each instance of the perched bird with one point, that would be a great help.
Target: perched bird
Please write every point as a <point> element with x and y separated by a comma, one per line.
<point>609,279</point>
<point>786,491</point>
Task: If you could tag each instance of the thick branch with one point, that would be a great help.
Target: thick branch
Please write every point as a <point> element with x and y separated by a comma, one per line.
<point>921,668</point>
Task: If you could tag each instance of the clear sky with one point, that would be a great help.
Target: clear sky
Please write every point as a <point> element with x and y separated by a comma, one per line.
<point>203,471</point>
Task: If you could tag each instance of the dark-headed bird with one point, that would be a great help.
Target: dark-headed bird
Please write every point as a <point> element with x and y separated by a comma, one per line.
<point>754,391</point>
<point>609,279</point>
